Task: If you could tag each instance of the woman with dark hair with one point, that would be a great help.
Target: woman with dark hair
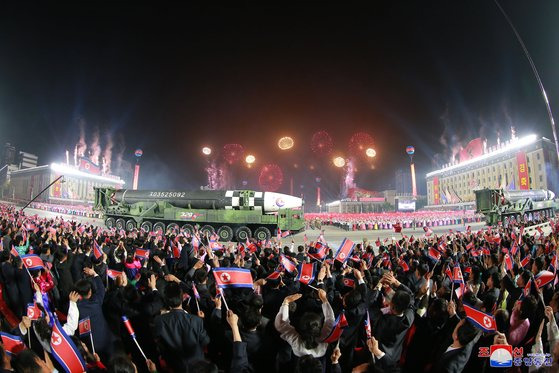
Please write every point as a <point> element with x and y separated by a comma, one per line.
<point>307,338</point>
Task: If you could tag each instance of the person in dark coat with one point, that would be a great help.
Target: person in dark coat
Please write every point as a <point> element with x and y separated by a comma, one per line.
<point>92,292</point>
<point>181,336</point>
<point>453,358</point>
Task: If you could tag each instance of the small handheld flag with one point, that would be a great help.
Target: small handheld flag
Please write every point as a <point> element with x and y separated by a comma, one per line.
<point>287,264</point>
<point>344,251</point>
<point>337,329</point>
<point>434,254</point>
<point>480,320</point>
<point>84,327</point>
<point>368,330</point>
<point>233,278</point>
<point>307,273</point>
<point>12,343</point>
<point>33,311</point>
<point>32,262</point>
<point>113,274</point>
<point>142,254</point>
<point>97,252</point>
<point>543,278</point>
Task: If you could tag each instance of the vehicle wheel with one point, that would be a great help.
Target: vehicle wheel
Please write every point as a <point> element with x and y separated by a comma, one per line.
<point>130,225</point>
<point>110,223</point>
<point>146,226</point>
<point>188,229</point>
<point>207,228</point>
<point>173,227</point>
<point>262,234</point>
<point>159,226</point>
<point>243,233</point>
<point>120,223</point>
<point>225,233</point>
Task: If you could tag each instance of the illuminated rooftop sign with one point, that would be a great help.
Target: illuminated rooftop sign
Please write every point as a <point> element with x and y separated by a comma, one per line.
<point>513,145</point>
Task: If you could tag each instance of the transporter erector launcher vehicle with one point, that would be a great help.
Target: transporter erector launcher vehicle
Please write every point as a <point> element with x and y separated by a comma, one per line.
<point>499,205</point>
<point>232,214</point>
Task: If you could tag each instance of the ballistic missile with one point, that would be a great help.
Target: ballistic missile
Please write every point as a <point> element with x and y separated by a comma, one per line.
<point>268,202</point>
<point>534,194</point>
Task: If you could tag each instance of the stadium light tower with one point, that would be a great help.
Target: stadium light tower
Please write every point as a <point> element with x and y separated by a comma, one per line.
<point>411,150</point>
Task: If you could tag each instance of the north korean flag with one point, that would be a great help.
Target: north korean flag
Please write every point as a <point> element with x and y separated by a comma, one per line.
<point>448,272</point>
<point>480,320</point>
<point>434,254</point>
<point>177,249</point>
<point>32,262</point>
<point>514,249</point>
<point>12,343</point>
<point>457,275</point>
<point>233,278</point>
<point>33,311</point>
<point>274,275</point>
<point>348,282</point>
<point>402,263</point>
<point>527,289</point>
<point>470,246</point>
<point>84,327</point>
<point>214,245</point>
<point>285,234</point>
<point>543,278</point>
<point>508,262</point>
<point>97,252</point>
<point>195,291</point>
<point>337,329</point>
<point>307,272</point>
<point>485,251</point>
<point>113,274</point>
<point>344,251</point>
<point>368,330</point>
<point>142,254</point>
<point>64,350</point>
<point>524,262</point>
<point>287,264</point>
<point>320,251</point>
<point>14,252</point>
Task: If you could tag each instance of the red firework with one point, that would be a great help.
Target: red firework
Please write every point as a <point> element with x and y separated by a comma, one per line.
<point>321,143</point>
<point>359,143</point>
<point>271,177</point>
<point>232,152</point>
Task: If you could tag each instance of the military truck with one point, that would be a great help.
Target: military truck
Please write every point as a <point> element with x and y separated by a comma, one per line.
<point>232,214</point>
<point>503,206</point>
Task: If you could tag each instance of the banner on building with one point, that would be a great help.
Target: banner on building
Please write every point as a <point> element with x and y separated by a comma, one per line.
<point>436,192</point>
<point>523,177</point>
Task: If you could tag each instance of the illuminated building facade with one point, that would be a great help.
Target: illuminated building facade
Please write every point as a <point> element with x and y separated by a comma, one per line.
<point>519,164</point>
<point>76,187</point>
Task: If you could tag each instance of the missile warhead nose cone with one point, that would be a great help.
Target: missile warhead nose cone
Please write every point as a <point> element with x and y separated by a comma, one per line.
<point>276,201</point>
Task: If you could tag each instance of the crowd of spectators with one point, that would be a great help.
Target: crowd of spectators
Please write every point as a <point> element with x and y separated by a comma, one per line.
<point>379,306</point>
<point>387,220</point>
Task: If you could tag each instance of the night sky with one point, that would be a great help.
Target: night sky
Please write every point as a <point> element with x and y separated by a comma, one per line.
<point>170,79</point>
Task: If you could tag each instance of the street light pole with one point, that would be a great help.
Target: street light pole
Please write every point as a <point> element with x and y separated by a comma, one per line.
<point>42,191</point>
